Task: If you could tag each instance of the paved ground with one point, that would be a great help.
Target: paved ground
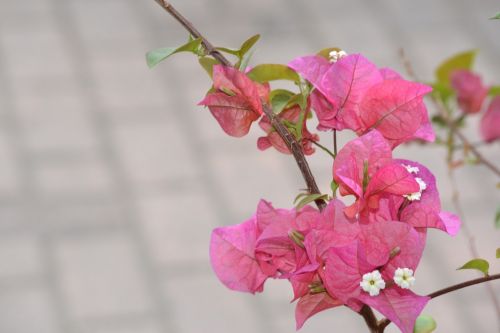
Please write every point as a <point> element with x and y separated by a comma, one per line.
<point>111,178</point>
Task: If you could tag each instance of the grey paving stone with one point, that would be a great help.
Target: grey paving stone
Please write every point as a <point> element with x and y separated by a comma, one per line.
<point>100,276</point>
<point>27,310</point>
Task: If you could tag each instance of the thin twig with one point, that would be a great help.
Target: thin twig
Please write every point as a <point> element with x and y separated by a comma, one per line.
<point>335,142</point>
<point>463,285</point>
<point>385,322</point>
<point>282,131</point>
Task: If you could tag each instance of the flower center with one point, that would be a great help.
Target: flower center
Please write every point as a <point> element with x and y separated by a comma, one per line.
<point>372,283</point>
<point>403,277</point>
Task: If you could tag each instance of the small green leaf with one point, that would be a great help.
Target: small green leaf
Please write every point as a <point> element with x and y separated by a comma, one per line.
<point>248,44</point>
<point>424,324</point>
<point>496,17</point>
<point>498,253</point>
<point>208,64</point>
<point>497,218</point>
<point>462,60</point>
<point>494,91</point>
<point>477,264</point>
<point>271,72</point>
<point>279,99</point>
<point>154,57</point>
<point>243,63</point>
<point>334,186</point>
<point>307,199</point>
<point>442,91</point>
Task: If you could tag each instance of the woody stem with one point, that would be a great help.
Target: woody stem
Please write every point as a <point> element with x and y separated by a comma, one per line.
<point>290,141</point>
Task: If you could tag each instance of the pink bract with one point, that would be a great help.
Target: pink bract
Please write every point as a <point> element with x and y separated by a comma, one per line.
<point>470,90</point>
<point>292,116</point>
<point>237,102</point>
<point>490,122</point>
<point>353,94</point>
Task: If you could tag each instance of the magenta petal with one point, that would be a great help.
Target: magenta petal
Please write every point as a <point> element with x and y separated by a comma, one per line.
<point>471,92</point>
<point>344,270</point>
<point>229,78</point>
<point>392,178</point>
<point>401,306</point>
<point>451,222</point>
<point>348,167</point>
<point>390,74</point>
<point>309,305</point>
<point>311,68</point>
<point>344,85</point>
<point>233,113</point>
<point>394,108</point>
<point>232,255</point>
<point>490,122</point>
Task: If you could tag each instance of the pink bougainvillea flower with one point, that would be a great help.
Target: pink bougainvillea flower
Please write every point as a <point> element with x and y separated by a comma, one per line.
<point>311,304</point>
<point>364,168</point>
<point>396,109</point>
<point>237,102</point>
<point>383,248</point>
<point>425,212</point>
<point>291,116</point>
<point>352,93</point>
<point>232,255</point>
<point>490,122</point>
<point>471,92</point>
<point>243,256</point>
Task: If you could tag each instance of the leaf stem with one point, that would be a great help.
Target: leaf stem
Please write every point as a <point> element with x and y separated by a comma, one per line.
<point>323,148</point>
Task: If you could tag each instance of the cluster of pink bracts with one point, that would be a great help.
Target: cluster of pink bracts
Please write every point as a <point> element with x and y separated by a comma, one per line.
<point>362,254</point>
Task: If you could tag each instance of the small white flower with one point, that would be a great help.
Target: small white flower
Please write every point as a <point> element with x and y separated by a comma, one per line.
<point>404,278</point>
<point>417,195</point>
<point>411,169</point>
<point>336,55</point>
<point>372,283</point>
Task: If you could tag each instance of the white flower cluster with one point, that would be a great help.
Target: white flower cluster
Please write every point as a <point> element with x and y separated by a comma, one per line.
<point>421,183</point>
<point>373,282</point>
<point>336,55</point>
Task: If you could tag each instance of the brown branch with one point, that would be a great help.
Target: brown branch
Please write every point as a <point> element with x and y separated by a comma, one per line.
<point>283,132</point>
<point>385,322</point>
<point>370,319</point>
<point>463,285</point>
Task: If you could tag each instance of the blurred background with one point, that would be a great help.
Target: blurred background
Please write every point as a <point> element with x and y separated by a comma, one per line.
<point>111,178</point>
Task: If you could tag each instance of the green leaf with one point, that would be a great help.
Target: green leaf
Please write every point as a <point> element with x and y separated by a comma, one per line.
<point>496,17</point>
<point>271,72</point>
<point>497,218</point>
<point>308,198</point>
<point>462,60</point>
<point>208,64</point>
<point>477,264</point>
<point>244,48</point>
<point>334,186</point>
<point>424,324</point>
<point>494,91</point>
<point>243,63</point>
<point>248,44</point>
<point>498,253</point>
<point>154,57</point>
<point>279,99</point>
<point>442,91</point>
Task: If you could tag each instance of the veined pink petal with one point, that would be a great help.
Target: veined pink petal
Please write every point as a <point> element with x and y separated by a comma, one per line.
<point>393,107</point>
<point>451,222</point>
<point>233,113</point>
<point>390,74</point>
<point>311,68</point>
<point>392,178</point>
<point>309,305</point>
<point>490,122</point>
<point>348,167</point>
<point>344,85</point>
<point>229,78</point>
<point>401,306</point>
<point>470,90</point>
<point>232,255</point>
